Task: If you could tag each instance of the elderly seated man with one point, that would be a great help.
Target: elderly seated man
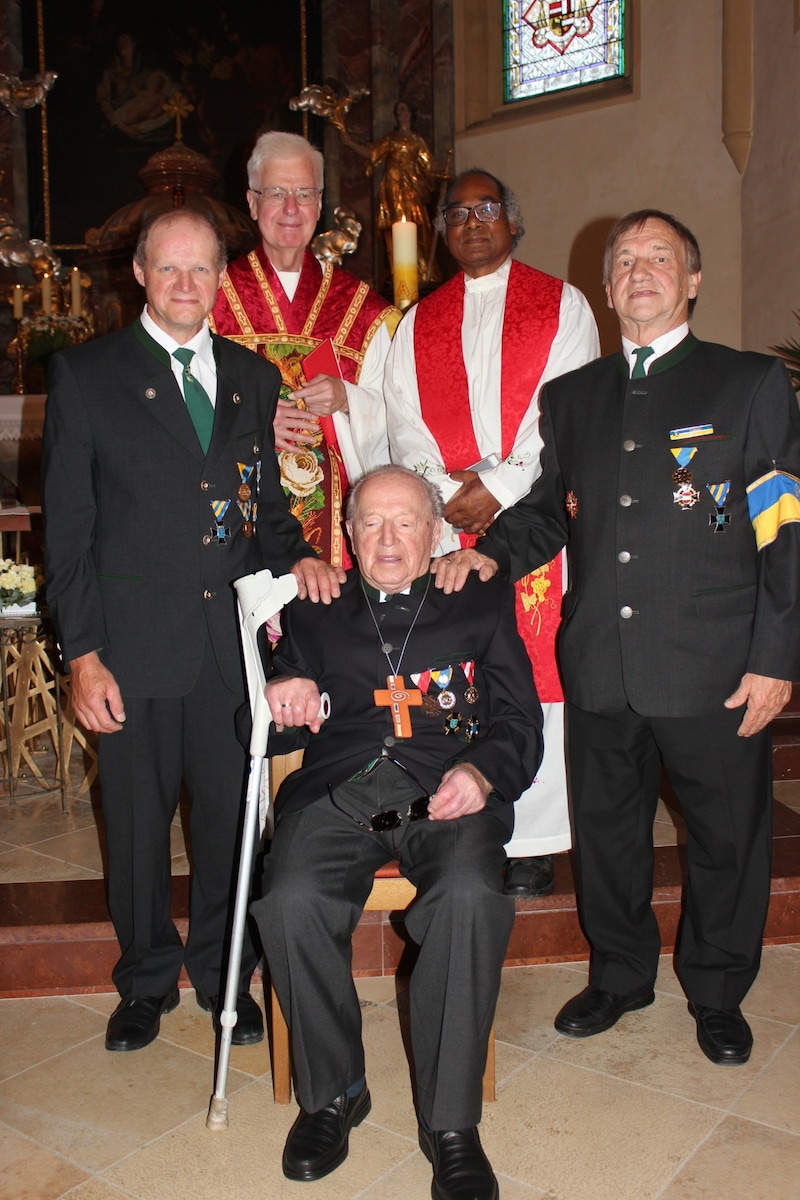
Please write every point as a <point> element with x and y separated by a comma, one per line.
<point>435,729</point>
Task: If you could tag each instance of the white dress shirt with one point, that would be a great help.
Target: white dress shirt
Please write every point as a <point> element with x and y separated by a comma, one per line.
<point>660,346</point>
<point>203,365</point>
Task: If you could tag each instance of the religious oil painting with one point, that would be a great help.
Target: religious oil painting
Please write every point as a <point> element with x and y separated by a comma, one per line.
<point>554,45</point>
<point>229,66</point>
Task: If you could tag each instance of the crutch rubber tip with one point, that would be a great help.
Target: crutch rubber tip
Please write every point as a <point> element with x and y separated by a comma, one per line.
<point>217,1114</point>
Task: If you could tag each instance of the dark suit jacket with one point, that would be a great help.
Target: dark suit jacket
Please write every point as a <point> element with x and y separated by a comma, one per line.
<point>133,568</point>
<point>667,608</point>
<point>338,647</point>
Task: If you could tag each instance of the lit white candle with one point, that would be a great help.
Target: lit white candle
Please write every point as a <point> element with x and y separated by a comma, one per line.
<point>47,293</point>
<point>75,292</point>
<point>17,301</point>
<point>404,263</point>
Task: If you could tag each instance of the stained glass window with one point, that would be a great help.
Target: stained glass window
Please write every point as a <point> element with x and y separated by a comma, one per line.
<point>561,44</point>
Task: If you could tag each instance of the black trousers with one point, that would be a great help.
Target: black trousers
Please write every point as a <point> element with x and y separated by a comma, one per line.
<point>723,783</point>
<point>192,738</point>
<point>317,877</point>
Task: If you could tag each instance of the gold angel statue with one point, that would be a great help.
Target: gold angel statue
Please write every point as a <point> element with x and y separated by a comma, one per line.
<point>406,184</point>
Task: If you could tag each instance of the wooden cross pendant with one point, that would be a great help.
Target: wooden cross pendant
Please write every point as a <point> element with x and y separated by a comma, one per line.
<point>397,697</point>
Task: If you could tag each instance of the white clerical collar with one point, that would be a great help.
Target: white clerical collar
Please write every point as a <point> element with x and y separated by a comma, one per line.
<point>200,343</point>
<point>660,345</point>
<point>486,283</point>
<point>289,281</point>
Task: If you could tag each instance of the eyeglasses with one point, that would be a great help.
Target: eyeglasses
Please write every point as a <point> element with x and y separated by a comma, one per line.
<point>274,197</point>
<point>392,818</point>
<point>488,212</point>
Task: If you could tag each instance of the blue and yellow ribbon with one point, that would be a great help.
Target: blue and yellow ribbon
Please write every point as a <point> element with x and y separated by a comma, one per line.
<point>773,501</point>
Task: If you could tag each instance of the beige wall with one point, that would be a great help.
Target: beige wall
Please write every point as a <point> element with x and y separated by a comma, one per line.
<point>771,189</point>
<point>576,170</point>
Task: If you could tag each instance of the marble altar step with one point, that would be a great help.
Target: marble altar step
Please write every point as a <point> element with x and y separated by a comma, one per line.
<point>56,938</point>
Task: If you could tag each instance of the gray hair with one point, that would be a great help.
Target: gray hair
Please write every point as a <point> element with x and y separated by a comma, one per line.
<point>283,145</point>
<point>427,488</point>
<point>172,217</point>
<point>635,220</point>
<point>507,197</point>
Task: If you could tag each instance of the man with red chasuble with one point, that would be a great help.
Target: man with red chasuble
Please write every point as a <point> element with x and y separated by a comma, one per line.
<point>282,303</point>
<point>461,386</point>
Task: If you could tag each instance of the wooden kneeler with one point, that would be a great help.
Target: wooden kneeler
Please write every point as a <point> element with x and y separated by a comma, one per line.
<point>391,892</point>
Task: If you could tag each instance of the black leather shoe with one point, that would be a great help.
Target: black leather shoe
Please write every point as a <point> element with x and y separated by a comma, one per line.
<point>461,1170</point>
<point>249,1027</point>
<point>593,1011</point>
<point>318,1142</point>
<point>722,1034</point>
<point>527,877</point>
<point>135,1022</point>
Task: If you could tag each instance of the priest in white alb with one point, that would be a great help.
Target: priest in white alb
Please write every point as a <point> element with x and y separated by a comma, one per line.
<point>461,385</point>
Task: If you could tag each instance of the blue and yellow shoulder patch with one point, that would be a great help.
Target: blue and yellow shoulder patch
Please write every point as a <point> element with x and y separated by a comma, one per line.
<point>773,501</point>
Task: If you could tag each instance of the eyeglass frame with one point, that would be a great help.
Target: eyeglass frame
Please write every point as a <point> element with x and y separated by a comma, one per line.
<point>412,813</point>
<point>490,206</point>
<point>278,202</point>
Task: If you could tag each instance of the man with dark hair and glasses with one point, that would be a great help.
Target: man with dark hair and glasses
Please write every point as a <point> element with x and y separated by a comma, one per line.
<point>434,730</point>
<point>279,301</point>
<point>462,389</point>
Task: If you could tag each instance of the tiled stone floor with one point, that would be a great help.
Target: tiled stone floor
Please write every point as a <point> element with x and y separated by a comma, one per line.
<point>635,1114</point>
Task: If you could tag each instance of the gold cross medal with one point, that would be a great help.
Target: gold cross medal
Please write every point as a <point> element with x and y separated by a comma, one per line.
<point>397,698</point>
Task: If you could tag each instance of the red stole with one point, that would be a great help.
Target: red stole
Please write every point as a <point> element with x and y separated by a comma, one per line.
<point>530,323</point>
<point>254,310</point>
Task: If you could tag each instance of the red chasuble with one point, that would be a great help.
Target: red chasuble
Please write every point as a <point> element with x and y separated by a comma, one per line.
<point>533,303</point>
<point>253,309</point>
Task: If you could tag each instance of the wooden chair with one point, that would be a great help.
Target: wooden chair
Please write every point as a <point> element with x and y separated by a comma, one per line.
<point>391,892</point>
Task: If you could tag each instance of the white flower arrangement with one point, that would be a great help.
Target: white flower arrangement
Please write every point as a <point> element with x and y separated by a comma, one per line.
<point>17,586</point>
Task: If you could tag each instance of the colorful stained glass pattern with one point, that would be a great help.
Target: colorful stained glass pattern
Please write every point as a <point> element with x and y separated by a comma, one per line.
<point>552,45</point>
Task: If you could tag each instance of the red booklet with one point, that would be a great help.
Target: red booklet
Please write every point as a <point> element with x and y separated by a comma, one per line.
<point>322,361</point>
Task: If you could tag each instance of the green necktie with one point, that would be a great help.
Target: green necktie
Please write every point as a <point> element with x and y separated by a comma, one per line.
<point>641,354</point>
<point>201,410</point>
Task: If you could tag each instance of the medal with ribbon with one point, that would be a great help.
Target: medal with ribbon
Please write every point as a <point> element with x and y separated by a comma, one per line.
<point>220,531</point>
<point>719,494</point>
<point>422,680</point>
<point>471,694</point>
<point>686,495</point>
<point>446,699</point>
<point>244,501</point>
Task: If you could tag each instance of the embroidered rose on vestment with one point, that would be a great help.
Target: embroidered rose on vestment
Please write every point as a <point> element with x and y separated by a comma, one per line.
<point>301,472</point>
